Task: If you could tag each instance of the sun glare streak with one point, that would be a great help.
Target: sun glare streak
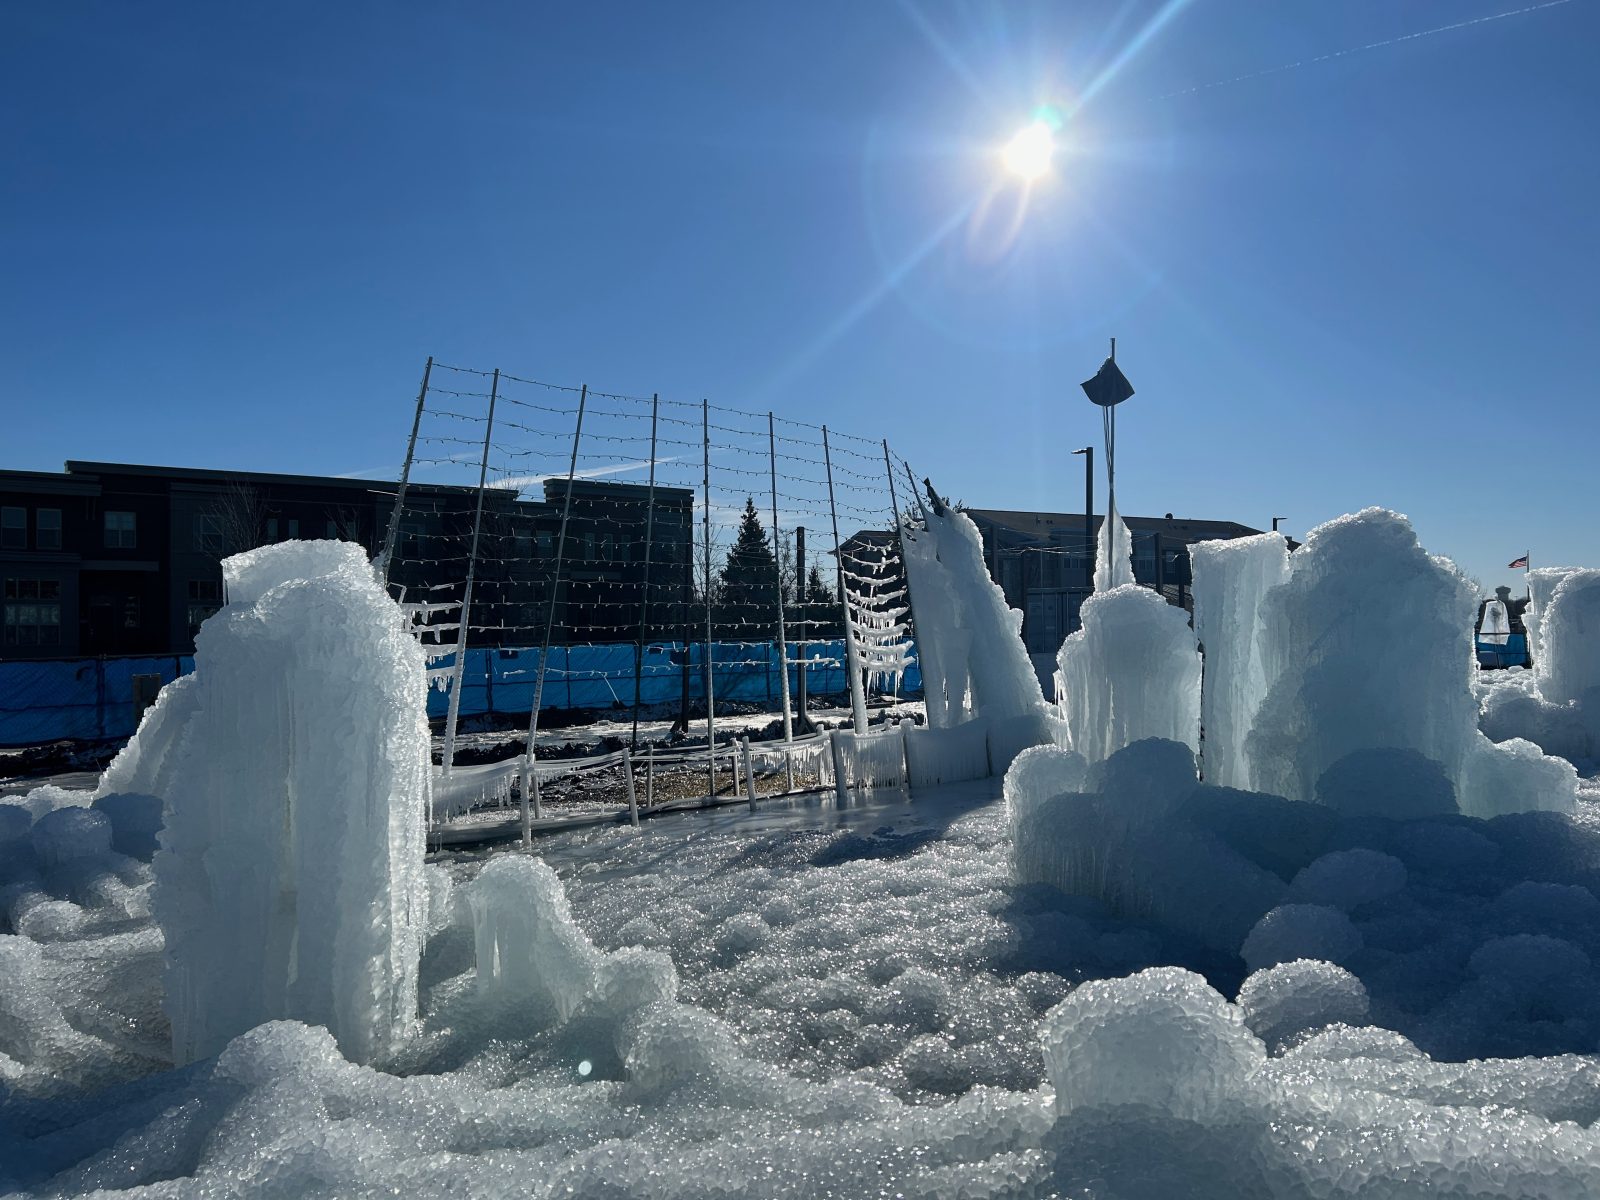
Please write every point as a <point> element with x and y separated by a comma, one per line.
<point>1135,44</point>
<point>874,296</point>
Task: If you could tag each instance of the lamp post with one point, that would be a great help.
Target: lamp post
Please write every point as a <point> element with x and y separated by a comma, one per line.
<point>1088,507</point>
<point>1108,388</point>
<point>1275,521</point>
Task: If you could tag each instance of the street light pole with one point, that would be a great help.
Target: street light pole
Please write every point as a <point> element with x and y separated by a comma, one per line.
<point>1088,507</point>
<point>1275,521</point>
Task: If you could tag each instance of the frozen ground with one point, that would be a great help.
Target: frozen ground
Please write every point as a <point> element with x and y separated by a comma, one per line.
<point>865,1004</point>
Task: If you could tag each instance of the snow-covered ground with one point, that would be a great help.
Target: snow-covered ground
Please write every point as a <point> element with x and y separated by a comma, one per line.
<point>864,1001</point>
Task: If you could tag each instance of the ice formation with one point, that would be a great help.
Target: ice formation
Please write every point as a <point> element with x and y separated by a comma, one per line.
<point>1557,705</point>
<point>869,1008</point>
<point>1354,666</point>
<point>1231,578</point>
<point>293,770</point>
<point>974,664</point>
<point>1131,672</point>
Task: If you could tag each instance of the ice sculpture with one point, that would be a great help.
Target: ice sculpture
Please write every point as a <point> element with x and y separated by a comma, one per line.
<point>1132,671</point>
<point>1361,653</point>
<point>974,664</point>
<point>293,767</point>
<point>1230,580</point>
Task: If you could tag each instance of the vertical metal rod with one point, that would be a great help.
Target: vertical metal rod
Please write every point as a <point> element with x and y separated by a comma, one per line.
<point>650,777</point>
<point>852,661</point>
<point>644,581</point>
<point>783,641</point>
<point>711,666</point>
<point>900,544</point>
<point>633,799</point>
<point>749,772</point>
<point>841,786</point>
<point>465,612</point>
<point>802,705</point>
<point>788,769</point>
<point>529,781</point>
<point>405,478</point>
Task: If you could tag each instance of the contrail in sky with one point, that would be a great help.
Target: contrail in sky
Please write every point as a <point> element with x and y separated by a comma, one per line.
<point>1394,41</point>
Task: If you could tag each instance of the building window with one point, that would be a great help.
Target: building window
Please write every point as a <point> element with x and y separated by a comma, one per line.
<point>205,598</point>
<point>32,612</point>
<point>122,531</point>
<point>272,529</point>
<point>208,533</point>
<point>294,528</point>
<point>13,528</point>
<point>333,531</point>
<point>47,529</point>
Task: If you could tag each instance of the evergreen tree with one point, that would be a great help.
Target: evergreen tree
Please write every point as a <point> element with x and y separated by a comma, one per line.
<point>748,597</point>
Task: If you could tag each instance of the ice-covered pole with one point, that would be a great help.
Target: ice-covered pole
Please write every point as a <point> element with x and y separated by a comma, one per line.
<point>777,566</point>
<point>852,663</point>
<point>711,666</point>
<point>464,614</point>
<point>644,579</point>
<point>528,780</point>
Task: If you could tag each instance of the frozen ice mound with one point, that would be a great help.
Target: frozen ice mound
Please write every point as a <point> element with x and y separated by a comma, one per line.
<point>1557,705</point>
<point>1123,839</point>
<point>1295,931</point>
<point>293,767</point>
<point>1131,672</point>
<point>1284,1003</point>
<point>1162,1039</point>
<point>1326,670</point>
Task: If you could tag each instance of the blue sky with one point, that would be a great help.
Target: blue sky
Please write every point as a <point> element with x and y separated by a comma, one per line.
<point>231,234</point>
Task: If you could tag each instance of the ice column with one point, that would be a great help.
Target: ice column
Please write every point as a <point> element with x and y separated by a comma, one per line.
<point>964,617</point>
<point>1231,578</point>
<point>294,777</point>
<point>1367,650</point>
<point>1568,669</point>
<point>1131,671</point>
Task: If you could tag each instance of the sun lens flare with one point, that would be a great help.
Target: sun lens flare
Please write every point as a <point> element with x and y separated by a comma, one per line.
<point>1029,153</point>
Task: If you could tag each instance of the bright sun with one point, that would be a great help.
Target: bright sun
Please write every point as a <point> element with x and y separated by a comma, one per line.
<point>1028,154</point>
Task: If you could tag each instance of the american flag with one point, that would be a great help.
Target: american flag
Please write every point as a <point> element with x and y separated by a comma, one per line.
<point>1518,562</point>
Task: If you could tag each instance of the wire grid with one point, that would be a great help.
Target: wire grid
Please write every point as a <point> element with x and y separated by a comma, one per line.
<point>708,461</point>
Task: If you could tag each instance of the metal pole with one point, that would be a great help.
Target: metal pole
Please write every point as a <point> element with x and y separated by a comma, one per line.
<point>858,701</point>
<point>783,641</point>
<point>805,626</point>
<point>529,781</point>
<point>841,786</point>
<point>405,478</point>
<point>650,777</point>
<point>465,611</point>
<point>711,666</point>
<point>644,582</point>
<point>633,799</point>
<point>900,544</point>
<point>749,772</point>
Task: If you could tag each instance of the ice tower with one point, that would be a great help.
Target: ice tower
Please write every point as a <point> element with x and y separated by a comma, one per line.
<point>293,768</point>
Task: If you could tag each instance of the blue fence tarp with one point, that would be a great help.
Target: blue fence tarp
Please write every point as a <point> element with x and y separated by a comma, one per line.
<point>92,698</point>
<point>78,698</point>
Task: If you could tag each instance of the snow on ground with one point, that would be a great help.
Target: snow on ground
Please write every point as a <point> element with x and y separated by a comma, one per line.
<point>851,1002</point>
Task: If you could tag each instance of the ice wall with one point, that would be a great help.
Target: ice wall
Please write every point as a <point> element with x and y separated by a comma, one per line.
<point>1231,578</point>
<point>1542,585</point>
<point>1367,646</point>
<point>964,615</point>
<point>1568,668</point>
<point>293,767</point>
<point>1131,672</point>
